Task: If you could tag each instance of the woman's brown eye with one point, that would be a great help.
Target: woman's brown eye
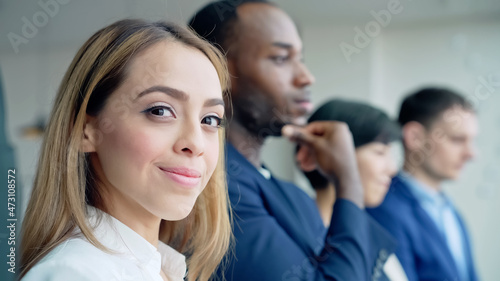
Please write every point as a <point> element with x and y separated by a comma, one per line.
<point>213,121</point>
<point>160,111</point>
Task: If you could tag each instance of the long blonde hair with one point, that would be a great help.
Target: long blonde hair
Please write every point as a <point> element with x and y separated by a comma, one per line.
<point>65,182</point>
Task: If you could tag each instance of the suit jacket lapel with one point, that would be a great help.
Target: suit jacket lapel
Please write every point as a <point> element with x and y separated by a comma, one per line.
<point>282,203</point>
<point>436,240</point>
<point>306,224</point>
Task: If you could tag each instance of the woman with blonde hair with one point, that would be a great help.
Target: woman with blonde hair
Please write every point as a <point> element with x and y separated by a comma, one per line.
<point>130,183</point>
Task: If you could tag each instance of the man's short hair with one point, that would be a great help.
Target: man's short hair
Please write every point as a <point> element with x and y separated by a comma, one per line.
<point>217,20</point>
<point>426,105</point>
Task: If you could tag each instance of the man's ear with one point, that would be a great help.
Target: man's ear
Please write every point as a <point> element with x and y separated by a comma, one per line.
<point>90,134</point>
<point>413,135</point>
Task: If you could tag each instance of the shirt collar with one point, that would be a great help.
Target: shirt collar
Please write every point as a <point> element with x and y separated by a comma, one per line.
<point>265,173</point>
<point>121,239</point>
<point>422,192</point>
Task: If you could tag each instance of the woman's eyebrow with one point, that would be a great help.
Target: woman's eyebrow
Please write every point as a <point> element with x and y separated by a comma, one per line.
<point>176,94</point>
<point>213,102</point>
<point>179,95</point>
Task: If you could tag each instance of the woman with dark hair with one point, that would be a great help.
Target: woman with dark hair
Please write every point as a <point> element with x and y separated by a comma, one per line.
<point>373,132</point>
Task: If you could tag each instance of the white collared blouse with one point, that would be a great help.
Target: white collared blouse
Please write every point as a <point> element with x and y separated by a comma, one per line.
<point>132,258</point>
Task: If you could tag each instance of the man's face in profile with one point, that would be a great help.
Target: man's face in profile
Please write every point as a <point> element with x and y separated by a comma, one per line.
<point>452,138</point>
<point>270,84</point>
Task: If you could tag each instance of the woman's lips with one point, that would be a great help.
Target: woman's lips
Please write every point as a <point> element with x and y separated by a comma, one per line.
<point>183,176</point>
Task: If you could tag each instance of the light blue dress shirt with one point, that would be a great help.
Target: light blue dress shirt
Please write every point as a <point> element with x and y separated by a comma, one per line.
<point>442,212</point>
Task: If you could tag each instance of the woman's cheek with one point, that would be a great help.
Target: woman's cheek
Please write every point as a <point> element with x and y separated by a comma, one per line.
<point>135,149</point>
<point>213,156</point>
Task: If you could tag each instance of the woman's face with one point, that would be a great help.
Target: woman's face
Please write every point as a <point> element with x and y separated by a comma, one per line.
<point>156,141</point>
<point>376,167</point>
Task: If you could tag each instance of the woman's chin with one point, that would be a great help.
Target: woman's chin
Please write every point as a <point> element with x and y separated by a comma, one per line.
<point>374,201</point>
<point>179,213</point>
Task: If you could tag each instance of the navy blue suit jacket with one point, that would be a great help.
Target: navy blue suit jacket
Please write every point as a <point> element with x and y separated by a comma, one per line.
<point>279,234</point>
<point>422,250</point>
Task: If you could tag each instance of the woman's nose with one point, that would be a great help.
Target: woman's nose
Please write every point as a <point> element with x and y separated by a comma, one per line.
<point>190,139</point>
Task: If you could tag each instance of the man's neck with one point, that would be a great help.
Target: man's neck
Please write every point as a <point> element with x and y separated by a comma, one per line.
<point>245,142</point>
<point>423,177</point>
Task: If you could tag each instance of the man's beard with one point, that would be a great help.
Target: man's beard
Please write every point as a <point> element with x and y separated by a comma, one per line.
<point>255,111</point>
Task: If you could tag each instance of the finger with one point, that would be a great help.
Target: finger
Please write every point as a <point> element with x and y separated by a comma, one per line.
<point>326,128</point>
<point>298,135</point>
<point>305,159</point>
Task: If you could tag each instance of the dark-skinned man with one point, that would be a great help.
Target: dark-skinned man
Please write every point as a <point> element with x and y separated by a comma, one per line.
<point>279,234</point>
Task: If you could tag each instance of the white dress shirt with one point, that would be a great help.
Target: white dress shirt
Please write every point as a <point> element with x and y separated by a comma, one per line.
<point>132,257</point>
<point>394,270</point>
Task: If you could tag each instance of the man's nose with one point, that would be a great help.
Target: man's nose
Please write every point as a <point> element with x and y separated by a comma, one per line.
<point>303,76</point>
<point>470,151</point>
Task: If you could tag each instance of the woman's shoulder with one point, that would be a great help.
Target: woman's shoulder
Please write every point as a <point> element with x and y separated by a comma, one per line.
<point>75,259</point>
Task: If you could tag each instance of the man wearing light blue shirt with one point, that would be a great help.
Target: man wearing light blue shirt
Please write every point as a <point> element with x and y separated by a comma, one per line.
<point>439,127</point>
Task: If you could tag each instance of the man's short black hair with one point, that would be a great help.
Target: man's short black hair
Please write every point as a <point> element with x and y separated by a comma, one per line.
<point>215,22</point>
<point>427,104</point>
<point>366,123</point>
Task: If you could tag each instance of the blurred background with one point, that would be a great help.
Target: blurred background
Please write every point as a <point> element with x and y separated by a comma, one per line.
<point>375,51</point>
